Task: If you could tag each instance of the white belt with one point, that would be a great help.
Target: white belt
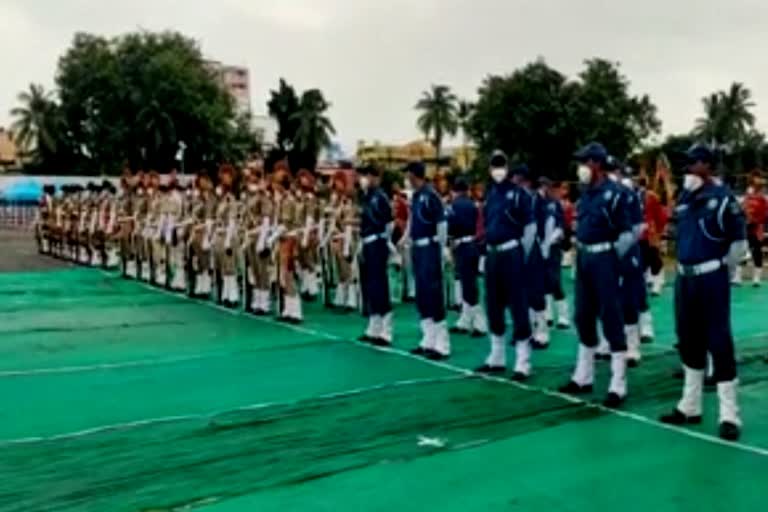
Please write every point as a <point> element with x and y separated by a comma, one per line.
<point>699,268</point>
<point>424,242</point>
<point>506,246</point>
<point>596,248</point>
<point>465,239</point>
<point>372,238</point>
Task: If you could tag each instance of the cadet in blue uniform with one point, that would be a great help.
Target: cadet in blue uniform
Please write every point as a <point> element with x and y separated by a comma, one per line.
<point>552,250</point>
<point>711,240</point>
<point>536,269</point>
<point>428,237</point>
<point>462,229</point>
<point>509,232</point>
<point>604,235</point>
<point>375,234</point>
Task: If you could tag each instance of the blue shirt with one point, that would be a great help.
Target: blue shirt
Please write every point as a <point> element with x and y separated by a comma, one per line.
<point>708,221</point>
<point>601,213</point>
<point>376,213</point>
<point>462,217</point>
<point>426,212</point>
<point>507,211</point>
<point>540,213</point>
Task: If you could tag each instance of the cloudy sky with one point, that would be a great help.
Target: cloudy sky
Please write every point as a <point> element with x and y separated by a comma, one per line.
<point>372,58</point>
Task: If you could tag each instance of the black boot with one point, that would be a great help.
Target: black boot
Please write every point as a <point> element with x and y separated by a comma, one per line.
<point>678,418</point>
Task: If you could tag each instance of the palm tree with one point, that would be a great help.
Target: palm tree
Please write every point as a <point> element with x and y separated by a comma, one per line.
<point>314,128</point>
<point>283,105</point>
<point>727,116</point>
<point>35,124</point>
<point>439,113</point>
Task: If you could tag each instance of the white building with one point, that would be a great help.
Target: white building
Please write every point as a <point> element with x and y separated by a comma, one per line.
<point>236,81</point>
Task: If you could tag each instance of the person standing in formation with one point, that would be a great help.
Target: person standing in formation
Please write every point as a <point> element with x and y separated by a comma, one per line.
<point>428,236</point>
<point>376,225</point>
<point>755,207</point>
<point>285,233</point>
<point>462,217</point>
<point>604,235</point>
<point>345,225</point>
<point>552,242</point>
<point>650,240</point>
<point>711,240</point>
<point>309,216</point>
<point>203,211</point>
<point>510,231</point>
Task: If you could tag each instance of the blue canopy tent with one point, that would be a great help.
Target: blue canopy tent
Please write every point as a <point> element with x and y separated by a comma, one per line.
<point>28,191</point>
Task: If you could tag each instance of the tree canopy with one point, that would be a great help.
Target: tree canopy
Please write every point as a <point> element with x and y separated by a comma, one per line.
<point>439,109</point>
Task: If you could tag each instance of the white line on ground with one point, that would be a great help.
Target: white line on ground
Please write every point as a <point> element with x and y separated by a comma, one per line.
<point>103,366</point>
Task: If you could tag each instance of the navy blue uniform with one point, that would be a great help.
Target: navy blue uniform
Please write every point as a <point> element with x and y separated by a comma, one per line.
<point>536,267</point>
<point>507,212</point>
<point>632,274</point>
<point>601,219</point>
<point>553,284</point>
<point>426,213</point>
<point>708,221</point>
<point>462,225</point>
<point>376,215</point>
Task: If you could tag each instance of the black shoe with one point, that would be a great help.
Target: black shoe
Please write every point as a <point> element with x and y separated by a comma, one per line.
<point>646,340</point>
<point>259,312</point>
<point>380,342</point>
<point>574,389</point>
<point>458,330</point>
<point>633,363</point>
<point>550,323</point>
<point>563,327</point>
<point>477,334</point>
<point>455,307</point>
<point>519,377</point>
<point>419,351</point>
<point>602,357</point>
<point>729,431</point>
<point>283,319</point>
<point>678,418</point>
<point>434,355</point>
<point>293,321</point>
<point>491,370</point>
<point>613,401</point>
<point>537,345</point>
<point>365,338</point>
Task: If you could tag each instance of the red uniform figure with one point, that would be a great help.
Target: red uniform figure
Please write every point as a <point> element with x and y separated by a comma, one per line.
<point>756,211</point>
<point>650,241</point>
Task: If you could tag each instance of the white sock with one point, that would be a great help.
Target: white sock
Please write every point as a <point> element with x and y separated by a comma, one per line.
<point>465,320</point>
<point>727,393</point>
<point>563,316</point>
<point>632,333</point>
<point>584,374</point>
<point>427,338</point>
<point>618,374</point>
<point>442,340</point>
<point>646,325</point>
<point>523,357</point>
<point>548,311</point>
<point>498,356</point>
<point>385,327</point>
<point>479,321</point>
<point>690,403</point>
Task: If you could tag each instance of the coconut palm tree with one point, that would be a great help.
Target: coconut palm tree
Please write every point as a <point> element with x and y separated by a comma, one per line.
<point>283,105</point>
<point>35,120</point>
<point>728,117</point>
<point>314,128</point>
<point>439,114</point>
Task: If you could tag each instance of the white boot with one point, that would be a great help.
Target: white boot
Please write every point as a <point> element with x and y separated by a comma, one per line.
<point>145,271</point>
<point>632,333</point>
<point>549,314</point>
<point>130,269</point>
<point>385,328</point>
<point>303,281</point>
<point>352,296</point>
<point>159,276</point>
<point>205,283</point>
<point>233,295</point>
<point>313,285</point>
<point>737,275</point>
<point>646,327</point>
<point>497,359</point>
<point>464,323</point>
<point>265,301</point>
<point>442,340</point>
<point>481,265</point>
<point>179,281</point>
<point>618,374</point>
<point>298,315</point>
<point>340,296</point>
<point>83,255</point>
<point>757,275</point>
<point>690,403</point>
<point>540,329</point>
<point>113,260</point>
<point>427,336</point>
<point>255,303</point>
<point>96,260</point>
<point>563,316</point>
<point>567,259</point>
<point>522,359</point>
<point>479,320</point>
<point>727,393</point>
<point>458,297</point>
<point>584,374</point>
<point>374,327</point>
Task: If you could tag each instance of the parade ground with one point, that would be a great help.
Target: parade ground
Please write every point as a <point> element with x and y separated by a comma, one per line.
<point>121,397</point>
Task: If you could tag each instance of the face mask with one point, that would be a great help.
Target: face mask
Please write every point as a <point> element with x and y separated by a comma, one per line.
<point>498,174</point>
<point>627,182</point>
<point>365,182</point>
<point>219,191</point>
<point>141,192</point>
<point>692,182</point>
<point>613,177</point>
<point>196,193</point>
<point>585,174</point>
<point>253,188</point>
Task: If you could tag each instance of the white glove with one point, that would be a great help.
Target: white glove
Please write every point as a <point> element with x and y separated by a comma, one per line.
<point>624,243</point>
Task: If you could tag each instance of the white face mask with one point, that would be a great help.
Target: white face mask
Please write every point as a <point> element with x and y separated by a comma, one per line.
<point>692,182</point>
<point>219,191</point>
<point>613,177</point>
<point>627,182</point>
<point>196,193</point>
<point>584,173</point>
<point>498,174</point>
<point>365,182</point>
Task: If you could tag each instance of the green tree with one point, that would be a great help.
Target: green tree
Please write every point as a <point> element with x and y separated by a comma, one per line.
<point>439,110</point>
<point>728,117</point>
<point>314,128</point>
<point>35,122</point>
<point>283,105</point>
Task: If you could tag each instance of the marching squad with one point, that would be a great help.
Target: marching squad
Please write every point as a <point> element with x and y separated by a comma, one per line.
<point>269,242</point>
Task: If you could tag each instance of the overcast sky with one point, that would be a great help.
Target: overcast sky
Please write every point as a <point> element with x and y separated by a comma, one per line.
<point>372,58</point>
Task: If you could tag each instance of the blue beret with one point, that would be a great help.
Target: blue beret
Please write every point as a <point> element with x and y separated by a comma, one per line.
<point>700,153</point>
<point>521,170</point>
<point>498,159</point>
<point>416,168</point>
<point>592,151</point>
<point>460,184</point>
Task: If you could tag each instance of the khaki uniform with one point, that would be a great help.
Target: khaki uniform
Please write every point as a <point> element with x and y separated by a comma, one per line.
<point>225,247</point>
<point>155,245</point>
<point>142,237</point>
<point>126,220</point>
<point>344,248</point>
<point>175,239</point>
<point>44,224</point>
<point>201,236</point>
<point>309,214</point>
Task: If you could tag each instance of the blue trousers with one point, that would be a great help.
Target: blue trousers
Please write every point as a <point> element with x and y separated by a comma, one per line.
<point>633,287</point>
<point>554,280</point>
<point>597,296</point>
<point>428,276</point>
<point>466,258</point>
<point>375,281</point>
<point>536,279</point>
<point>505,288</point>
<point>703,323</point>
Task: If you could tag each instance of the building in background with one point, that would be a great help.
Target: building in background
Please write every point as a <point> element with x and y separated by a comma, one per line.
<point>9,152</point>
<point>236,81</point>
<point>397,155</point>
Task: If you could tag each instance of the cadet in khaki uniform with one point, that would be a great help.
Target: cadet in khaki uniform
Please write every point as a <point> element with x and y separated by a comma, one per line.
<point>309,218</point>
<point>176,236</point>
<point>286,234</point>
<point>127,204</point>
<point>203,210</point>
<point>43,224</point>
<point>346,224</point>
<point>70,221</point>
<point>98,219</point>
<point>85,205</point>
<point>57,225</point>
<point>154,229</point>
<point>142,230</point>
<point>226,238</point>
<point>258,220</point>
